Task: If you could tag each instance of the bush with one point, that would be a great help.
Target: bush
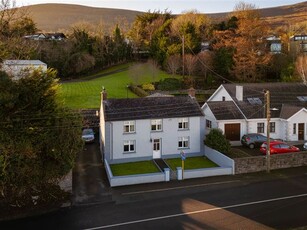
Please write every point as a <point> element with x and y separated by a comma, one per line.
<point>148,87</point>
<point>217,140</point>
<point>169,84</point>
<point>138,91</point>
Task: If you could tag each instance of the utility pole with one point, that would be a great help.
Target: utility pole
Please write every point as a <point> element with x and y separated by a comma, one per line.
<point>182,55</point>
<point>268,117</point>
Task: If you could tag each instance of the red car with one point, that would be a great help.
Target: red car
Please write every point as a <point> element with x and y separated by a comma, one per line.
<point>277,147</point>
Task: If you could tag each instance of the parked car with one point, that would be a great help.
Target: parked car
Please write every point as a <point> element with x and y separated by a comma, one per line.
<point>88,135</point>
<point>277,147</point>
<point>305,146</point>
<point>253,140</point>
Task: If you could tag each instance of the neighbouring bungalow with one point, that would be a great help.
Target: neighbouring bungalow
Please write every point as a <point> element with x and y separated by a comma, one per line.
<point>241,109</point>
<point>136,129</point>
<point>298,44</point>
<point>18,68</point>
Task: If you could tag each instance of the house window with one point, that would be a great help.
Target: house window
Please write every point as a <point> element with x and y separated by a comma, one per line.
<point>209,124</point>
<point>156,125</point>
<point>129,126</point>
<point>183,142</point>
<point>272,127</point>
<point>183,123</point>
<point>129,146</point>
<point>223,98</point>
<point>260,127</point>
<point>294,128</point>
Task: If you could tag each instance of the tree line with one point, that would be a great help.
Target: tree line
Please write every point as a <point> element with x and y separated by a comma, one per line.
<point>237,48</point>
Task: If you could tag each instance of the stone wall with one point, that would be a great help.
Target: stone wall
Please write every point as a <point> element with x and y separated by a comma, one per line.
<point>279,161</point>
<point>90,118</point>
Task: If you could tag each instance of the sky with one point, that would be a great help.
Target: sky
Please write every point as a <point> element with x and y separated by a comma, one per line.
<point>175,6</point>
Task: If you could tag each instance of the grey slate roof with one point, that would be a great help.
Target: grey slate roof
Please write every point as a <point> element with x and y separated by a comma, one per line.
<point>23,62</point>
<point>283,97</point>
<point>288,110</point>
<point>225,110</point>
<point>151,108</point>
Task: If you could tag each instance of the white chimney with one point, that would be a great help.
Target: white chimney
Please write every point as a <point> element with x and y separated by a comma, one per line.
<point>239,92</point>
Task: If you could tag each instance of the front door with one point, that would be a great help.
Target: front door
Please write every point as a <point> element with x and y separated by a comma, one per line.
<point>232,132</point>
<point>156,148</point>
<point>301,131</point>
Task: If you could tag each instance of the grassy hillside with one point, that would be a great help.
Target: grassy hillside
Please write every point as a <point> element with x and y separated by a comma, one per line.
<point>59,17</point>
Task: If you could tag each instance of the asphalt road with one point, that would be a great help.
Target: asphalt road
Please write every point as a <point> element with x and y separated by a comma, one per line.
<point>253,201</point>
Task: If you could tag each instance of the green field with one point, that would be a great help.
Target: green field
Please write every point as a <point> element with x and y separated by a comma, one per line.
<point>86,94</point>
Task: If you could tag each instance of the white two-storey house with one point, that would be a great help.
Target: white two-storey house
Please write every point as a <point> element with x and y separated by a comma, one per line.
<point>138,129</point>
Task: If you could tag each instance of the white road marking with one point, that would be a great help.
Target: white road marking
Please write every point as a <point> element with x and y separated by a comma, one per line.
<point>199,211</point>
<point>179,187</point>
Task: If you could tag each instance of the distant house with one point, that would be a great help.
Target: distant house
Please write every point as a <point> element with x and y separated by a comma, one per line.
<point>298,44</point>
<point>18,68</point>
<point>273,44</point>
<point>39,36</point>
<point>46,36</point>
<point>147,128</point>
<point>240,109</point>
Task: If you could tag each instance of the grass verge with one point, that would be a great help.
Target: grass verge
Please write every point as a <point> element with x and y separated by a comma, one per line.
<point>191,163</point>
<point>141,167</point>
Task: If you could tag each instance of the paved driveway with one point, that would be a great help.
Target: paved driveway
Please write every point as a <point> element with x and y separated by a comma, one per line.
<point>90,185</point>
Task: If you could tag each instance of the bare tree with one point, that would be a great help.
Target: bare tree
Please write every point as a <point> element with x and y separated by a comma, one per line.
<point>136,72</point>
<point>205,62</point>
<point>301,67</point>
<point>154,68</point>
<point>190,64</point>
<point>173,64</point>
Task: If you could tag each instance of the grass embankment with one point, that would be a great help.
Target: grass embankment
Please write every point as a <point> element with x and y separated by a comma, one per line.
<point>132,168</point>
<point>191,163</point>
<point>86,94</point>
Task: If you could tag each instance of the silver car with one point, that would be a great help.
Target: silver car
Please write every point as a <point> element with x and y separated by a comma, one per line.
<point>305,146</point>
<point>88,135</point>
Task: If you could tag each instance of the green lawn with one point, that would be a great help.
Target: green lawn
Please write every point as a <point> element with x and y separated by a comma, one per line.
<point>132,168</point>
<point>191,163</point>
<point>86,94</point>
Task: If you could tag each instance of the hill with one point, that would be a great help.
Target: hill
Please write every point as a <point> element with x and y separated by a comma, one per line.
<point>59,17</point>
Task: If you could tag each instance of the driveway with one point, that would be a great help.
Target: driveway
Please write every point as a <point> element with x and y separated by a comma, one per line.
<point>90,185</point>
<point>256,150</point>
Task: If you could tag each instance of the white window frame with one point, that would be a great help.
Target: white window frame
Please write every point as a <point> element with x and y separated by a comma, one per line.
<point>260,127</point>
<point>208,124</point>
<point>156,125</point>
<point>183,142</point>
<point>184,123</point>
<point>130,125</point>
<point>129,143</point>
<point>272,127</point>
<point>294,128</point>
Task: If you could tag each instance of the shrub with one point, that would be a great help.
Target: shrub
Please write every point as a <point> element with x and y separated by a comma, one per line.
<point>169,84</point>
<point>148,87</point>
<point>138,91</point>
<point>217,140</point>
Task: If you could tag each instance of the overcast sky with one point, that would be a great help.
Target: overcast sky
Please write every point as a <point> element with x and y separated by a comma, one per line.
<point>175,6</point>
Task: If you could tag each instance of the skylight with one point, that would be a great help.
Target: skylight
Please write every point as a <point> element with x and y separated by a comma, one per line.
<point>254,100</point>
<point>302,98</point>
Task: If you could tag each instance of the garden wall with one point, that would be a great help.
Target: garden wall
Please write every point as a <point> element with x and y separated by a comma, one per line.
<point>133,179</point>
<point>90,118</point>
<point>279,161</point>
<point>219,158</point>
